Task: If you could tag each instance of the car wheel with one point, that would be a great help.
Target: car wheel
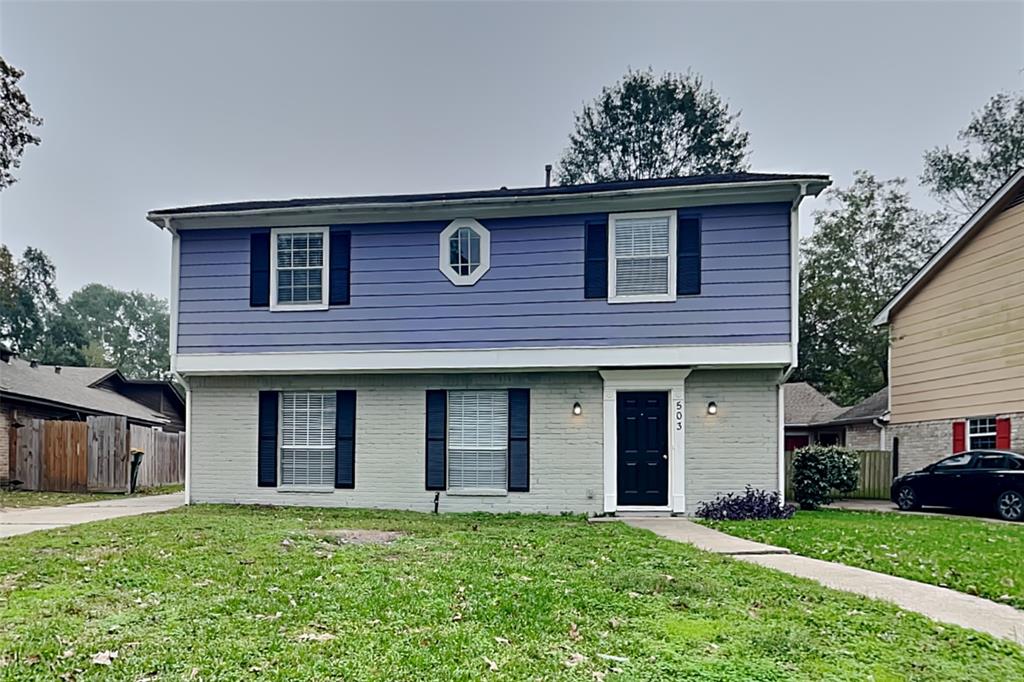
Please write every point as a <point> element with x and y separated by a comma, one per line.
<point>1010,506</point>
<point>906,498</point>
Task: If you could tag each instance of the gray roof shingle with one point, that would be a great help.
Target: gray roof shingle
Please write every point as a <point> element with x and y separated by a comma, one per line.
<point>72,387</point>
<point>806,405</point>
<point>873,407</point>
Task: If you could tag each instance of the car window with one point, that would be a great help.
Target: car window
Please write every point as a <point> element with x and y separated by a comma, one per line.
<point>955,462</point>
<point>992,462</point>
<point>1014,462</point>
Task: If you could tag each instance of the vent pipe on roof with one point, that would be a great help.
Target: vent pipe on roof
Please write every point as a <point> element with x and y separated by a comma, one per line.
<point>56,369</point>
<point>33,364</point>
<point>547,175</point>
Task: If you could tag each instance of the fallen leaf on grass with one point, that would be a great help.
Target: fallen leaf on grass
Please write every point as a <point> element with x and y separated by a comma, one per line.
<point>315,637</point>
<point>104,657</point>
<point>491,664</point>
<point>501,640</point>
<point>574,632</point>
<point>574,660</point>
<point>617,659</point>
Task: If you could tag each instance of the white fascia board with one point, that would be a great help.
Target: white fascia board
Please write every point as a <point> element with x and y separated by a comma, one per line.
<point>462,360</point>
<point>947,250</point>
<point>650,198</point>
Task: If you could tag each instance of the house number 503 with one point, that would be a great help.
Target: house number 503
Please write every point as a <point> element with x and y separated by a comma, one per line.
<point>679,415</point>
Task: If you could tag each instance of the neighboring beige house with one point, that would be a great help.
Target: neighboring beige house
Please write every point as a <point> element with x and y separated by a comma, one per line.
<point>956,329</point>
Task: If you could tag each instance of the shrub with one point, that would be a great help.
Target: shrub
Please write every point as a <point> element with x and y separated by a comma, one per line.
<point>820,469</point>
<point>752,504</point>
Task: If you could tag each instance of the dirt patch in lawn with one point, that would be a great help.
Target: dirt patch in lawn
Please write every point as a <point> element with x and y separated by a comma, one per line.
<point>351,536</point>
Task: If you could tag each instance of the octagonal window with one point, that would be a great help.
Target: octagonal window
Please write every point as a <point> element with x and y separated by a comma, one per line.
<point>465,251</point>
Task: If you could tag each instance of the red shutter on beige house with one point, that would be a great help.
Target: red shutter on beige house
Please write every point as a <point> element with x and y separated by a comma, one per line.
<point>1003,434</point>
<point>959,436</point>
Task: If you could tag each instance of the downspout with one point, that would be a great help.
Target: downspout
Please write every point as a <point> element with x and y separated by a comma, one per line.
<point>172,337</point>
<point>794,275</point>
<point>794,333</point>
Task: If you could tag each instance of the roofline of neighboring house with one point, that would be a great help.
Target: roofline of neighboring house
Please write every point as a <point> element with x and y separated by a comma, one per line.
<point>76,408</point>
<point>520,201</point>
<point>952,245</point>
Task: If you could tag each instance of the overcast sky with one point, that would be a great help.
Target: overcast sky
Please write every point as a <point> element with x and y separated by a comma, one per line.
<point>150,105</point>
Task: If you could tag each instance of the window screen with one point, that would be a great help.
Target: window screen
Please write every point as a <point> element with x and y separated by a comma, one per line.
<point>478,439</point>
<point>300,267</point>
<point>307,439</point>
<point>642,256</point>
<point>981,434</point>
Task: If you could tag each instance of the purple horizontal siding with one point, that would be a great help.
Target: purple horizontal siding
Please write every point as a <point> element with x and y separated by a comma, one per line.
<point>532,296</point>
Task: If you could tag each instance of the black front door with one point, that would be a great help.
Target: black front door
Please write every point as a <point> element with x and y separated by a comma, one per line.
<point>642,449</point>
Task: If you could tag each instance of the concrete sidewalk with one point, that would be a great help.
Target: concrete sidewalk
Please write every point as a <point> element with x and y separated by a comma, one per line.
<point>22,521</point>
<point>937,603</point>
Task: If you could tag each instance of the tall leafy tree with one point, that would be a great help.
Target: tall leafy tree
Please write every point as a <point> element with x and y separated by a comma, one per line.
<point>646,126</point>
<point>126,329</point>
<point>28,296</point>
<point>865,246</point>
<point>16,122</point>
<point>992,149</point>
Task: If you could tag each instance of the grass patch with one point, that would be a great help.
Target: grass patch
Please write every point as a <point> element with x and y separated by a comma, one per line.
<point>969,555</point>
<point>219,592</point>
<point>26,499</point>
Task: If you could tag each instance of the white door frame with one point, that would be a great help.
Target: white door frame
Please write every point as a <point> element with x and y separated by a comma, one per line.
<point>672,381</point>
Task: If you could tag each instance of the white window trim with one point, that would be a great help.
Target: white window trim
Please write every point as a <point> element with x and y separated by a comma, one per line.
<point>465,490</point>
<point>325,276</point>
<point>485,252</point>
<point>293,487</point>
<point>613,297</point>
<point>994,433</point>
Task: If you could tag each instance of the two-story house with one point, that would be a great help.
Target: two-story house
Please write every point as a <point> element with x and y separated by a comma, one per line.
<point>593,348</point>
<point>956,330</point>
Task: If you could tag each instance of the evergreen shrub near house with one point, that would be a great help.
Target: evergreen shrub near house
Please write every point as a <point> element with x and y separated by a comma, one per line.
<point>820,470</point>
<point>753,504</point>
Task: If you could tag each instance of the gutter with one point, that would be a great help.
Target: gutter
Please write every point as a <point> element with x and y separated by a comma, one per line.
<point>158,216</point>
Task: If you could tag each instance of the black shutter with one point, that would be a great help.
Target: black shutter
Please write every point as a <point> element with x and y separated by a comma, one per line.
<point>687,255</point>
<point>595,265</point>
<point>437,428</point>
<point>345,440</point>
<point>267,439</point>
<point>519,440</point>
<point>341,267</point>
<point>259,269</point>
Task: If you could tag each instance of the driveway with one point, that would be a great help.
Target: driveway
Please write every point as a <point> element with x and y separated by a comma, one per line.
<point>21,521</point>
<point>887,506</point>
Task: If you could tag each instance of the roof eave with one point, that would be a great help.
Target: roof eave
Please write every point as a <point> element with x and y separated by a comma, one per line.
<point>950,248</point>
<point>808,185</point>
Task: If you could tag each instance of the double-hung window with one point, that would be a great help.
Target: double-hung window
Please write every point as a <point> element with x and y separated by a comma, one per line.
<point>981,433</point>
<point>642,266</point>
<point>478,440</point>
<point>307,439</point>
<point>299,258</point>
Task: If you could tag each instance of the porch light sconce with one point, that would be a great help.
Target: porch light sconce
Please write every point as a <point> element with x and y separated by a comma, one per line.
<point>712,407</point>
<point>577,409</point>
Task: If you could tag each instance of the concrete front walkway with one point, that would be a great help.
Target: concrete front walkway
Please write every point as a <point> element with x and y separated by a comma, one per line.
<point>21,521</point>
<point>938,603</point>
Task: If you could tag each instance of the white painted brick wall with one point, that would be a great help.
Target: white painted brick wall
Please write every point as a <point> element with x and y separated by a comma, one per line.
<point>739,445</point>
<point>565,456</point>
<point>724,453</point>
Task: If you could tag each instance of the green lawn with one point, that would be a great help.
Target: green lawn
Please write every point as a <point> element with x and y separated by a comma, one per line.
<point>218,592</point>
<point>24,499</point>
<point>970,555</point>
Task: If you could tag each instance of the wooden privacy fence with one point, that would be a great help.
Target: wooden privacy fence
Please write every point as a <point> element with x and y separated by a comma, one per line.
<point>95,455</point>
<point>875,475</point>
<point>164,461</point>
